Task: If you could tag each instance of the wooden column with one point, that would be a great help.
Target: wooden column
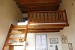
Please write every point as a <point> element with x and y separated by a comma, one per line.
<point>11,47</point>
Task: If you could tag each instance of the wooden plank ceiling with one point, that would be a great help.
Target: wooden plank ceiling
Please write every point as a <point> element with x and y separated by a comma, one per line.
<point>38,5</point>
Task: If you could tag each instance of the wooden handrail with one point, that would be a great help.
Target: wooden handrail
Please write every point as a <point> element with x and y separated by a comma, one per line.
<point>52,17</point>
<point>28,17</point>
<point>4,47</point>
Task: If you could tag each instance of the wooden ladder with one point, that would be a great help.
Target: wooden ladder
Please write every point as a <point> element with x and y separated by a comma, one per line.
<point>11,40</point>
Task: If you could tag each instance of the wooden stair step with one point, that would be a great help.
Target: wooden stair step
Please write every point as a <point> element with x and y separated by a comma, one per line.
<point>15,33</point>
<point>23,27</point>
<point>14,38</point>
<point>18,28</point>
<point>15,44</point>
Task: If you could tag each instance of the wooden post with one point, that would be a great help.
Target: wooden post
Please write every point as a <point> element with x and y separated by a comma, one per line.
<point>47,18</point>
<point>43,17</point>
<point>32,17</point>
<point>51,17</point>
<point>62,17</point>
<point>58,16</point>
<point>11,47</point>
<point>28,17</point>
<point>55,16</point>
<point>66,16</point>
<point>36,18</point>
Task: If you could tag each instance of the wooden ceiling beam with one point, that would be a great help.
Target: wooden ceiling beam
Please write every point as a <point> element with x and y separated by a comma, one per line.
<point>35,1</point>
<point>38,9</point>
<point>51,26</point>
<point>38,5</point>
<point>44,6</point>
<point>43,31</point>
<point>47,27</point>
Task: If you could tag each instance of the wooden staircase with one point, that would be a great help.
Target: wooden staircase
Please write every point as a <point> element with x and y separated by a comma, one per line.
<point>12,41</point>
<point>38,21</point>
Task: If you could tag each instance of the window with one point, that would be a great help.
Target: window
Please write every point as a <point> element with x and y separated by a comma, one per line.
<point>41,42</point>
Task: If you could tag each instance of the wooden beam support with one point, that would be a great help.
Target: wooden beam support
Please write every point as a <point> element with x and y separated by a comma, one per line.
<point>43,31</point>
<point>16,33</point>
<point>46,29</point>
<point>43,26</point>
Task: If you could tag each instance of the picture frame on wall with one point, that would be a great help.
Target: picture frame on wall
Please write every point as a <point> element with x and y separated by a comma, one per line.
<point>53,40</point>
<point>70,46</point>
<point>64,39</point>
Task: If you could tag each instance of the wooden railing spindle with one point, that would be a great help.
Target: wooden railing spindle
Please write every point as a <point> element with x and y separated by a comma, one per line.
<point>43,17</point>
<point>36,17</point>
<point>48,16</point>
<point>55,16</point>
<point>40,17</point>
<point>62,16</point>
<point>51,17</point>
<point>58,16</point>
<point>66,16</point>
<point>33,17</point>
<point>28,17</point>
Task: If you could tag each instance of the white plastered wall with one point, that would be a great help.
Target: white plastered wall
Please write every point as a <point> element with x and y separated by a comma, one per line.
<point>9,14</point>
<point>31,40</point>
<point>69,5</point>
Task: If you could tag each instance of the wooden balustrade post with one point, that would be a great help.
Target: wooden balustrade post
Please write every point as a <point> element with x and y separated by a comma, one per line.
<point>43,17</point>
<point>55,16</point>
<point>28,17</point>
<point>51,16</point>
<point>39,17</point>
<point>5,48</point>
<point>58,16</point>
<point>32,17</point>
<point>36,18</point>
<point>47,18</point>
<point>66,16</point>
<point>62,17</point>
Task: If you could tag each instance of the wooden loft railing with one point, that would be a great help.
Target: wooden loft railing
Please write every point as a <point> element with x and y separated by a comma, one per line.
<point>47,17</point>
